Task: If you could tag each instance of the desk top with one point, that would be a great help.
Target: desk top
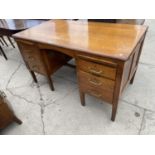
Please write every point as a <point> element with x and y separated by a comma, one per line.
<point>103,39</point>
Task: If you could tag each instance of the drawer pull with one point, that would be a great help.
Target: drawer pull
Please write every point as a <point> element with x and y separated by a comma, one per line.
<point>94,71</point>
<point>34,67</point>
<point>95,82</point>
<point>94,94</point>
<point>30,58</point>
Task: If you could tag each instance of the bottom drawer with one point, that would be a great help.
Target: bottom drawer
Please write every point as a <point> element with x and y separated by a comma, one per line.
<point>96,86</point>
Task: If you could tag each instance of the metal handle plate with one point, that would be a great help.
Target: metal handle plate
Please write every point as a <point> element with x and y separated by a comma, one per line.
<point>94,94</point>
<point>95,71</point>
<point>30,58</point>
<point>34,67</point>
<point>95,82</point>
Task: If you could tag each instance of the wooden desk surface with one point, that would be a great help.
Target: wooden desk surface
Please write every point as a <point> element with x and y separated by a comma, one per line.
<point>103,39</point>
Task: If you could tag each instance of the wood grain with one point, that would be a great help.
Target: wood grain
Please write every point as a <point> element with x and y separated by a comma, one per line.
<point>104,39</point>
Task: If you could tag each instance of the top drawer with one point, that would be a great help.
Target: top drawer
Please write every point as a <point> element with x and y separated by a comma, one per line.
<point>97,68</point>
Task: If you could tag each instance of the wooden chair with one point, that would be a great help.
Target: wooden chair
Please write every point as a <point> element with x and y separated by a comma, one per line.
<point>4,42</point>
<point>7,115</point>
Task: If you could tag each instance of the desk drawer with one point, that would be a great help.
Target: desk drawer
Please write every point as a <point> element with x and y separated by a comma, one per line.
<point>32,56</point>
<point>96,86</point>
<point>97,69</point>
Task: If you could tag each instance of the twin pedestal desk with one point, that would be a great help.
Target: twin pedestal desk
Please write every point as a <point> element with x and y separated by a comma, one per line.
<point>106,55</point>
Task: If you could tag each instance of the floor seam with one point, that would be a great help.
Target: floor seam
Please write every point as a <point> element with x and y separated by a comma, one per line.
<point>146,64</point>
<point>42,106</point>
<point>136,105</point>
<point>62,97</point>
<point>12,75</point>
<point>8,89</point>
<point>141,125</point>
<point>20,97</point>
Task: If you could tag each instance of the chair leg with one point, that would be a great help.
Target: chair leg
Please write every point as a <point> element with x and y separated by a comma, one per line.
<point>4,41</point>
<point>50,82</point>
<point>11,42</point>
<point>3,53</point>
<point>132,80</point>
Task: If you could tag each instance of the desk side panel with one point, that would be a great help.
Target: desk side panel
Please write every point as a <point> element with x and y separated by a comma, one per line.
<point>130,66</point>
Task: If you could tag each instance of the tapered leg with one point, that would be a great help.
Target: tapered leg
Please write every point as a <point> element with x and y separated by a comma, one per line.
<point>17,120</point>
<point>50,82</point>
<point>34,76</point>
<point>3,53</point>
<point>131,81</point>
<point>4,41</point>
<point>82,97</point>
<point>11,42</point>
<point>114,111</point>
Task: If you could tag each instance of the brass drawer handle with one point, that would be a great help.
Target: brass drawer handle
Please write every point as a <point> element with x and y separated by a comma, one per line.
<point>94,94</point>
<point>30,58</point>
<point>94,71</point>
<point>34,67</point>
<point>95,83</point>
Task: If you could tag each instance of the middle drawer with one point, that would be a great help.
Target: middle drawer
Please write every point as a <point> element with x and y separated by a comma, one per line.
<point>99,86</point>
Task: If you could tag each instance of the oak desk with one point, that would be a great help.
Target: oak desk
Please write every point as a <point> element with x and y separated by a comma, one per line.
<point>106,55</point>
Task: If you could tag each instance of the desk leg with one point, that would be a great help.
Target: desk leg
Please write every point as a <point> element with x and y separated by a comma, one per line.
<point>3,53</point>
<point>114,110</point>
<point>117,90</point>
<point>50,82</point>
<point>132,79</point>
<point>82,97</point>
<point>33,76</point>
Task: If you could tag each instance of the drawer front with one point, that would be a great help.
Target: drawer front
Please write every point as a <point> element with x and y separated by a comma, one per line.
<point>97,86</point>
<point>97,69</point>
<point>33,58</point>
